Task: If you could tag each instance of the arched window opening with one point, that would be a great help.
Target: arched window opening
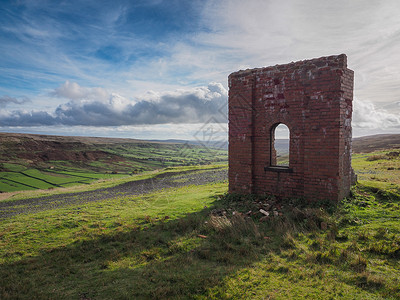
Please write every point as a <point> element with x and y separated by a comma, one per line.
<point>280,141</point>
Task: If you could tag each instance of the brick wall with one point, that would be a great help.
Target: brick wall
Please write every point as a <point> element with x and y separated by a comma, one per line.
<point>313,98</point>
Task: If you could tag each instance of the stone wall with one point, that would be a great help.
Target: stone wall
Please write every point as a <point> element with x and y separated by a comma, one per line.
<point>313,98</point>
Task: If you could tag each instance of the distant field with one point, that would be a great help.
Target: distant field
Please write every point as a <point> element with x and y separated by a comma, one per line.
<point>31,179</point>
<point>29,162</point>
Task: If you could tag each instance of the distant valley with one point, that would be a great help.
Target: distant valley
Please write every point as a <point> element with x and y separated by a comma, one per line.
<point>29,161</point>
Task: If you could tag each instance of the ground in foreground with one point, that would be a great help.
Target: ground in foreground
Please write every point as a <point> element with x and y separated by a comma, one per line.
<point>196,242</point>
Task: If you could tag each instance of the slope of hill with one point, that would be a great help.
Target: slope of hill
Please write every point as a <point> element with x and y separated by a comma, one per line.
<point>29,161</point>
<point>372,143</point>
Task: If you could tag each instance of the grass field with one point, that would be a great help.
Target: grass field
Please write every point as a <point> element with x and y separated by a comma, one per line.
<point>31,179</point>
<point>198,243</point>
<point>110,160</point>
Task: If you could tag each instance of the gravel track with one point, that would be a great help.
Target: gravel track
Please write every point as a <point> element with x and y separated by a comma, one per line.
<point>132,188</point>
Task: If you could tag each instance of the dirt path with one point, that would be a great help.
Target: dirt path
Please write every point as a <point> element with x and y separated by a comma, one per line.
<point>162,181</point>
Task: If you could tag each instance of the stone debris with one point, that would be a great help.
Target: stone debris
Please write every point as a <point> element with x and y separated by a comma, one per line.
<point>266,209</point>
<point>269,209</point>
<point>272,209</point>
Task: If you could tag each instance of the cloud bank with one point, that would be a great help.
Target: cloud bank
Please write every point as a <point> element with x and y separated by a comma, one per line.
<point>97,107</point>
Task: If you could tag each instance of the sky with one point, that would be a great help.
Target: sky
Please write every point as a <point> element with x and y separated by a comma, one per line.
<point>157,69</point>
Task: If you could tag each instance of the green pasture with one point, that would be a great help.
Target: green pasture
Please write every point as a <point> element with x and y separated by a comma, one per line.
<point>9,186</point>
<point>165,154</point>
<point>133,158</point>
<point>197,242</point>
<point>30,179</point>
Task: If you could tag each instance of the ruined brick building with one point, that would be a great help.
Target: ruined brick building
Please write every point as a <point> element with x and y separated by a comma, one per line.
<point>313,98</point>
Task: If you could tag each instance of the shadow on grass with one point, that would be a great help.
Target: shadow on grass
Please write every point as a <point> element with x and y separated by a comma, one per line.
<point>186,257</point>
<point>157,259</point>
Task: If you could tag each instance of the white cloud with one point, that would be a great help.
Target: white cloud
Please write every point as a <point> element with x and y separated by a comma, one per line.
<point>367,116</point>
<point>73,91</point>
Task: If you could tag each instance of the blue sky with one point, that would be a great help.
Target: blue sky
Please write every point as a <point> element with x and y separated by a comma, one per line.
<point>158,69</point>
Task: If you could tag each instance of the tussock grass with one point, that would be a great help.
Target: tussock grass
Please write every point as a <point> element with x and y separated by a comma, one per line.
<point>197,242</point>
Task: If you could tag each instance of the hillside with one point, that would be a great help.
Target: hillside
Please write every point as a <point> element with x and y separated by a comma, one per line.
<point>372,143</point>
<point>29,161</point>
